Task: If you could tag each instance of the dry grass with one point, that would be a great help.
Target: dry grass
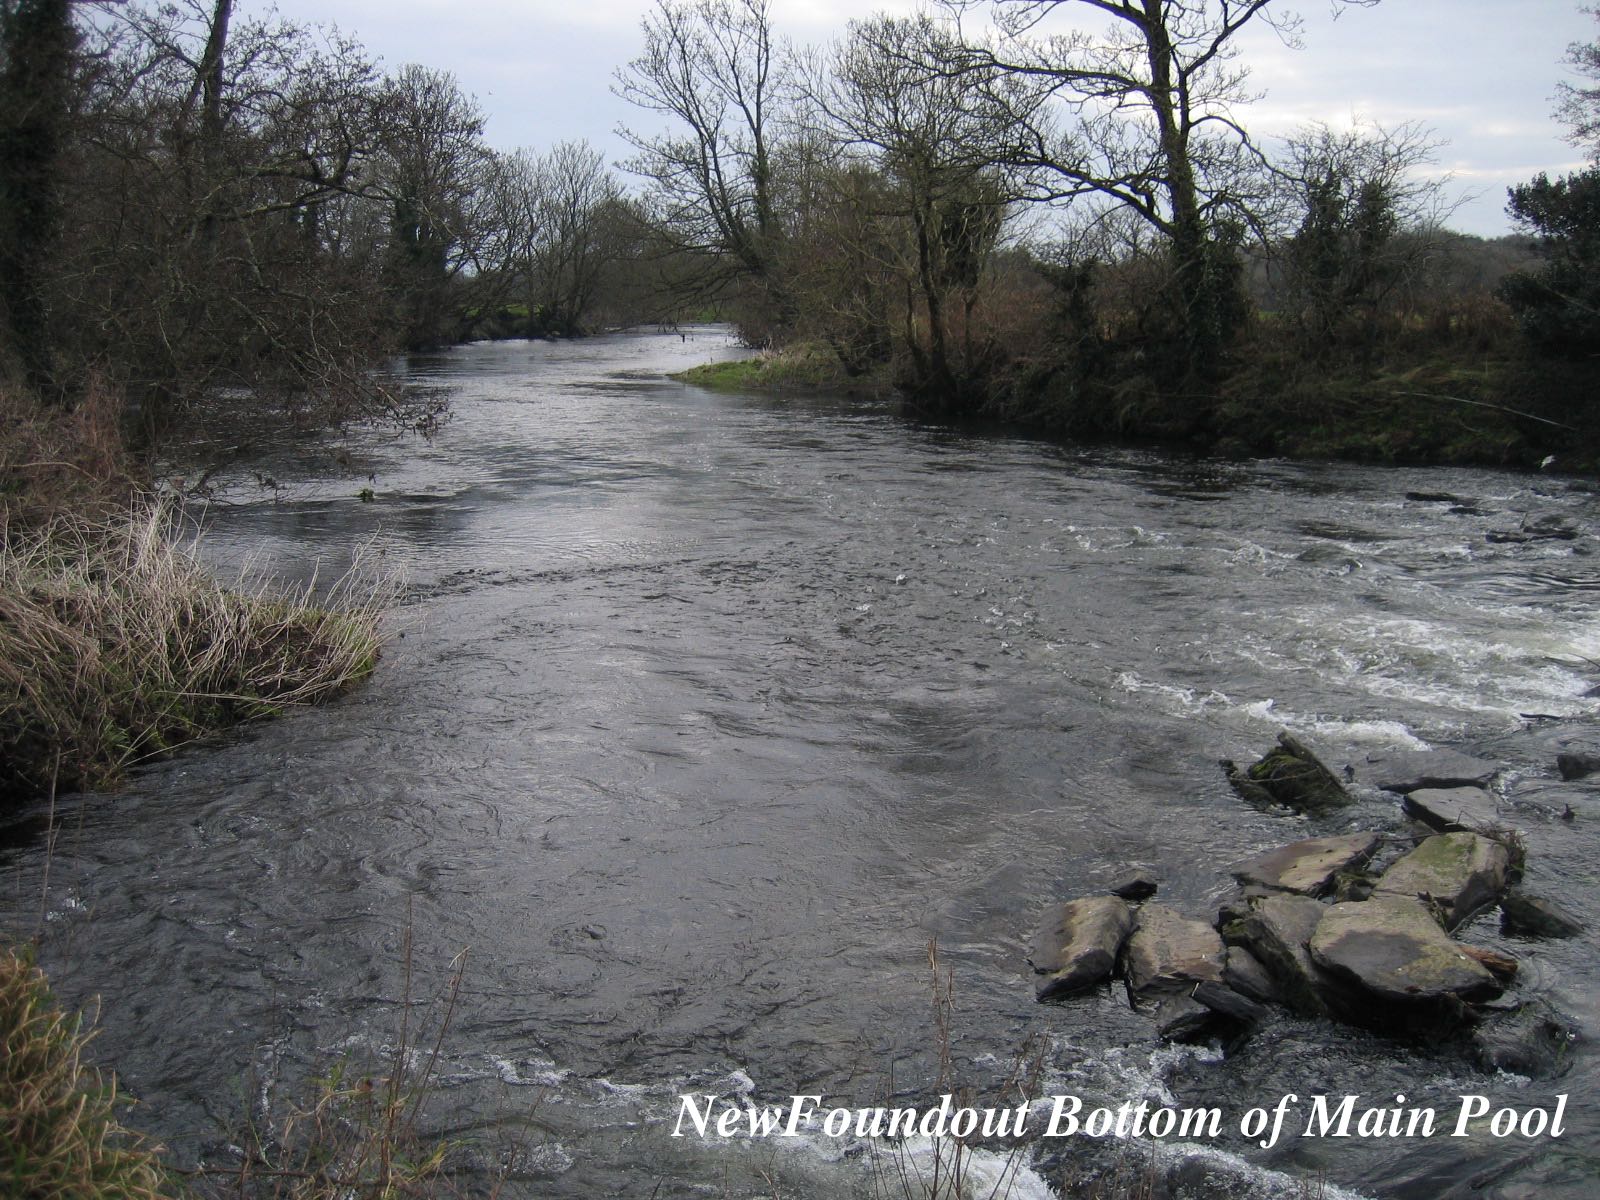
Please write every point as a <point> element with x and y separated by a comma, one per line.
<point>54,460</point>
<point>117,645</point>
<point>359,1136</point>
<point>59,1136</point>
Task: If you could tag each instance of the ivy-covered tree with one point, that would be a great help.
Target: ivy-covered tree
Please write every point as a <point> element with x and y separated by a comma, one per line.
<point>1558,306</point>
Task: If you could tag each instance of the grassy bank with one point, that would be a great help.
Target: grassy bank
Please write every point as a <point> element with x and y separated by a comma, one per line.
<point>117,646</point>
<point>1437,404</point>
<point>805,367</point>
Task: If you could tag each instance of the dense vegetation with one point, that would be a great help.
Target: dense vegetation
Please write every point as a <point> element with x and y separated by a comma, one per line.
<point>1056,214</point>
<point>1067,222</point>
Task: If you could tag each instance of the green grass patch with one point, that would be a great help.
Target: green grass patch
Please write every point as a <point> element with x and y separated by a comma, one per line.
<point>805,367</point>
<point>117,645</point>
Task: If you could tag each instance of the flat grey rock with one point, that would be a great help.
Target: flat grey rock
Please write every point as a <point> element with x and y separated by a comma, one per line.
<point>1393,949</point>
<point>1169,952</point>
<point>1309,867</point>
<point>1077,943</point>
<point>1457,874</point>
<point>1456,810</point>
<point>1408,770</point>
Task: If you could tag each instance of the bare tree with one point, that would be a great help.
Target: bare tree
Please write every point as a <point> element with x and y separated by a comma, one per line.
<point>1578,104</point>
<point>433,164</point>
<point>555,218</point>
<point>938,137</point>
<point>37,43</point>
<point>713,69</point>
<point>1153,91</point>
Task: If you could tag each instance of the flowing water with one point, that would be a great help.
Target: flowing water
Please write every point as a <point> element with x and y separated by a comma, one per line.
<point>708,713</point>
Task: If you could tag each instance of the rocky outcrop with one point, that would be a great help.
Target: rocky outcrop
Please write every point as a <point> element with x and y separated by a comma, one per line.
<point>1291,775</point>
<point>1077,944</point>
<point>1170,953</point>
<point>1455,810</point>
<point>1314,927</point>
<point>1394,951</point>
<point>1310,867</point>
<point>1457,875</point>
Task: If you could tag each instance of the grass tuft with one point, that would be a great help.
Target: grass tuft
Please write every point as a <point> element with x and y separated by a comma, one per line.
<point>59,1135</point>
<point>117,645</point>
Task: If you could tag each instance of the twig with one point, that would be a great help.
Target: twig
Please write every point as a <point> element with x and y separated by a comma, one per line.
<point>1515,412</point>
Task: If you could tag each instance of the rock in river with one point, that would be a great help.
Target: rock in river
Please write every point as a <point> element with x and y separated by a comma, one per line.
<point>1460,874</point>
<point>1276,933</point>
<point>1393,949</point>
<point>1077,943</point>
<point>1408,770</point>
<point>1170,953</point>
<point>1309,867</point>
<point>1457,809</point>
<point>1291,775</point>
<point>1527,915</point>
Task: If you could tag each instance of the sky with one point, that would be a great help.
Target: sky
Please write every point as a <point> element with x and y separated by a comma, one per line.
<point>1481,74</point>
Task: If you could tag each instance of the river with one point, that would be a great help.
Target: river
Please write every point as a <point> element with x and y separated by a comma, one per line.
<point>706,714</point>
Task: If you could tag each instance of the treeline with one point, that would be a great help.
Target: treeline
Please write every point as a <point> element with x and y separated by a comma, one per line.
<point>195,201</point>
<point>1056,213</point>
<point>1051,212</point>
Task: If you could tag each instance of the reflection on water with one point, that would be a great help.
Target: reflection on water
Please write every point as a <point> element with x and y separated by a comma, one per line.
<point>709,712</point>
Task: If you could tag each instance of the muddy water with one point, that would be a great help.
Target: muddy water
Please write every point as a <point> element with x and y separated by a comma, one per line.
<point>707,714</point>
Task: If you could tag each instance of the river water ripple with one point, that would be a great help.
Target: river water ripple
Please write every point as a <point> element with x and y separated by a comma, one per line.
<point>708,713</point>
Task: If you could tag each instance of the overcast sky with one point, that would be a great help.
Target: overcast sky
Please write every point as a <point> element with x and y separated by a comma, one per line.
<point>1480,73</point>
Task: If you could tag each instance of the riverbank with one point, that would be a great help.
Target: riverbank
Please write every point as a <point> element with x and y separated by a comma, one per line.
<point>1456,406</point>
<point>116,644</point>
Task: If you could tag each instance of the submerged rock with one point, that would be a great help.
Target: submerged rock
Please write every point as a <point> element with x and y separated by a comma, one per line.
<point>1408,770</point>
<point>1546,527</point>
<point>1533,1040</point>
<point>1136,885</point>
<point>1455,810</point>
<point>1456,874</point>
<point>1393,949</point>
<point>1577,764</point>
<point>1291,775</point>
<point>1170,953</point>
<point>1077,943</point>
<point>1527,915</point>
<point>1309,867</point>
